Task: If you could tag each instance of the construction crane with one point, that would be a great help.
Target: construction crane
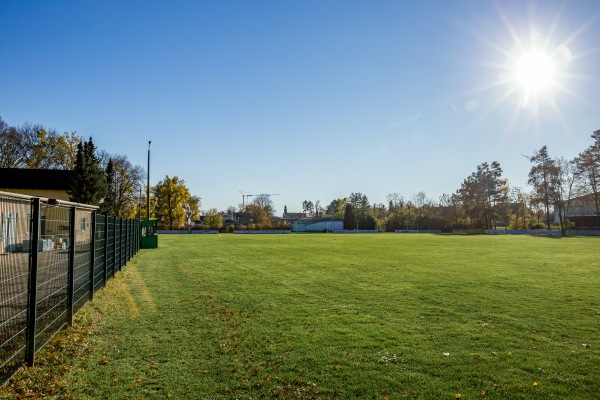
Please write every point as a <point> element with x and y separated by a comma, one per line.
<point>245,196</point>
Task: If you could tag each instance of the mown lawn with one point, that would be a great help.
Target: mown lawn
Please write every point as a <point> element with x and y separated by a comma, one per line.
<point>336,316</point>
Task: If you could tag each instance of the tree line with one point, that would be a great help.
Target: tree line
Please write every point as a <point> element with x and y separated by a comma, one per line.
<point>484,200</point>
<point>109,181</point>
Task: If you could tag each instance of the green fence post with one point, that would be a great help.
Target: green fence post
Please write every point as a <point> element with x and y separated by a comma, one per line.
<point>33,271</point>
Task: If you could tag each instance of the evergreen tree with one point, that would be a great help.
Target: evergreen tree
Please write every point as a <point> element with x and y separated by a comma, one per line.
<point>349,217</point>
<point>108,205</point>
<point>543,177</point>
<point>89,182</point>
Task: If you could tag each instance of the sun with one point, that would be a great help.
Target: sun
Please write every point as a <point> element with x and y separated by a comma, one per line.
<point>529,71</point>
<point>535,72</point>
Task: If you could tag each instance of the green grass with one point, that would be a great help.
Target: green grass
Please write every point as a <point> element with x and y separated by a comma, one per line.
<point>337,316</point>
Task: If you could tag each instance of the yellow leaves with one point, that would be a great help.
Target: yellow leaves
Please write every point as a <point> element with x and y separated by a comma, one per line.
<point>205,371</point>
<point>338,367</point>
<point>536,384</point>
<point>457,396</point>
<point>103,361</point>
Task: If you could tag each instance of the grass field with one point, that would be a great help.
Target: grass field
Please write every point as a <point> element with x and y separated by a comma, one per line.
<point>337,316</point>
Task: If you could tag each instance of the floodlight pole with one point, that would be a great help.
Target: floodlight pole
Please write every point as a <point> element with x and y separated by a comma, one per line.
<point>148,188</point>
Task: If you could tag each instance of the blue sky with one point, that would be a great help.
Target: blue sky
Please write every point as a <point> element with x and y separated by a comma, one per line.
<point>312,100</point>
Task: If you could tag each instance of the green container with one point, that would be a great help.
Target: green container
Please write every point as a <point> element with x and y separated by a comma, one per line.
<point>149,237</point>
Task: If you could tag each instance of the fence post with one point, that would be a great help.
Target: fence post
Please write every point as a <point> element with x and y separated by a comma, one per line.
<point>105,266</point>
<point>120,243</point>
<point>92,255</point>
<point>114,266</point>
<point>33,271</point>
<point>130,239</point>
<point>127,246</point>
<point>71,274</point>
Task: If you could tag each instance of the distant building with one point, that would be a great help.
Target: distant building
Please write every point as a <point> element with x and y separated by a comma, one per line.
<point>291,217</point>
<point>582,211</point>
<point>49,183</point>
<point>317,225</point>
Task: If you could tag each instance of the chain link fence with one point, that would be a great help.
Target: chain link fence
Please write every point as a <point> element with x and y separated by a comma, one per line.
<point>54,256</point>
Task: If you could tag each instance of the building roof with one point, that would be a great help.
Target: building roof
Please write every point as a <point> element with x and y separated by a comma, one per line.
<point>38,179</point>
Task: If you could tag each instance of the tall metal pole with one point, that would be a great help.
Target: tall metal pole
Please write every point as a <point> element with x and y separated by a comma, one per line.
<point>148,192</point>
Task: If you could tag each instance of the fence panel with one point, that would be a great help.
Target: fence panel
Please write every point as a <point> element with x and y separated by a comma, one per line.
<point>110,237</point>
<point>14,277</point>
<point>83,258</point>
<point>99,256</point>
<point>42,287</point>
<point>53,272</point>
<point>117,265</point>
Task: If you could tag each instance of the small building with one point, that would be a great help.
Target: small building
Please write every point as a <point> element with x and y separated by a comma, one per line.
<point>582,211</point>
<point>15,213</point>
<point>48,183</point>
<point>317,225</point>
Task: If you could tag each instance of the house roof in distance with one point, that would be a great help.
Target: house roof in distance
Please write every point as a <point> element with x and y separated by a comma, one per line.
<point>40,179</point>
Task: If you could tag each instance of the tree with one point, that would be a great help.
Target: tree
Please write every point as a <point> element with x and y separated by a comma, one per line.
<point>13,152</point>
<point>543,178</point>
<point>482,193</point>
<point>171,194</point>
<point>260,211</point>
<point>50,150</point>
<point>108,205</point>
<point>194,206</point>
<point>395,200</point>
<point>564,182</point>
<point>350,221</point>
<point>360,206</point>
<point>318,209</point>
<point>89,182</point>
<point>337,207</point>
<point>213,219</point>
<point>588,171</point>
<point>520,212</point>
<point>308,207</point>
<point>124,182</point>
<point>264,202</point>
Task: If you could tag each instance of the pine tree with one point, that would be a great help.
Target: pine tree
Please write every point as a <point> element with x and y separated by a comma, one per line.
<point>108,205</point>
<point>89,182</point>
<point>349,217</point>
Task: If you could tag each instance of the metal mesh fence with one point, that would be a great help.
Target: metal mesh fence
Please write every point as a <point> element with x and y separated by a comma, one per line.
<point>110,240</point>
<point>14,276</point>
<point>82,258</point>
<point>119,257</point>
<point>53,256</point>
<point>53,272</point>
<point>100,256</point>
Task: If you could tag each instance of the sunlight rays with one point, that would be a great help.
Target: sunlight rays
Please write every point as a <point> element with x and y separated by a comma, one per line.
<point>533,66</point>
